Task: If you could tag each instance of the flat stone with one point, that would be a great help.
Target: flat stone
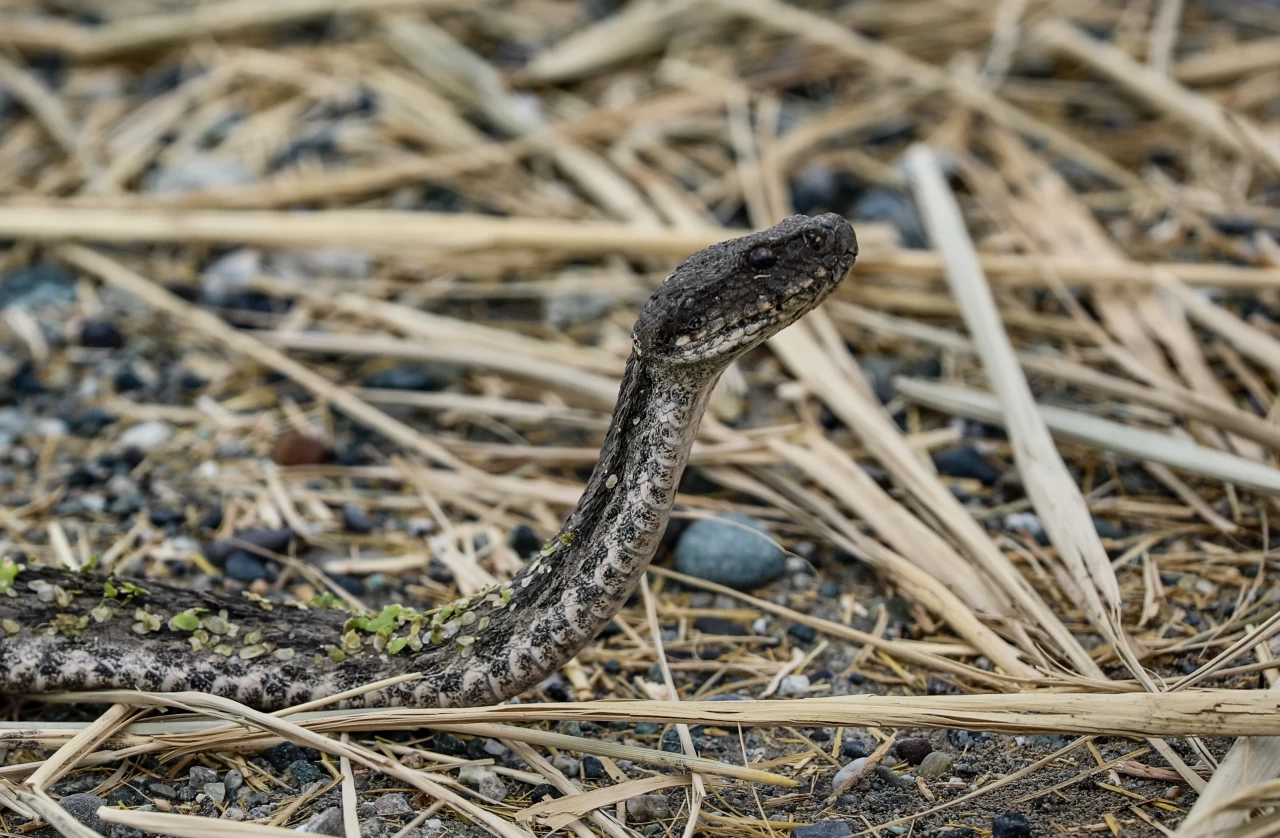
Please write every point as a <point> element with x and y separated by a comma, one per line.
<point>725,550</point>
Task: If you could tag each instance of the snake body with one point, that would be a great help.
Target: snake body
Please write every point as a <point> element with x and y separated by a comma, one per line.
<point>67,631</point>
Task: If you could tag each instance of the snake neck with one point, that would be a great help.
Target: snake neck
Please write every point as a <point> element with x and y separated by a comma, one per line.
<point>566,594</point>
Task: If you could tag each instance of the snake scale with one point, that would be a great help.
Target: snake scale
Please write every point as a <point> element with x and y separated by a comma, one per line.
<point>62,630</point>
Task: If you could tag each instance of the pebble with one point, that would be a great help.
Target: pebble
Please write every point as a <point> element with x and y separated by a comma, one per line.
<point>327,263</point>
<point>914,750</point>
<point>36,285</point>
<point>217,792</point>
<point>197,172</point>
<point>234,814</point>
<point>418,378</point>
<point>299,449</point>
<point>231,274</point>
<point>823,829</point>
<point>592,768</point>
<point>965,462</point>
<point>935,765</point>
<point>719,626</point>
<point>355,519</point>
<point>729,553</point>
<point>392,804</point>
<point>304,773</point>
<point>146,436</point>
<point>802,633</point>
<point>644,808</point>
<point>853,748</point>
<point>484,781</point>
<point>245,567</point>
<point>328,822</point>
<point>848,771</point>
<point>100,334</point>
<point>880,370</point>
<point>164,790</point>
<point>84,808</point>
<point>1011,825</point>
<point>233,780</point>
<point>794,686</point>
<point>199,776</point>
<point>562,311</point>
<point>567,765</point>
<point>959,832</point>
<point>524,541</point>
<point>893,779</point>
<point>494,748</point>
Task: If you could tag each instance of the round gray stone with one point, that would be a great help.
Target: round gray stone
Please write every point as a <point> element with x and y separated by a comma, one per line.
<point>728,551</point>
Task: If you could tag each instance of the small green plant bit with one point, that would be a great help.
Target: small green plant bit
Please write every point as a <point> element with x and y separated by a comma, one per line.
<point>9,570</point>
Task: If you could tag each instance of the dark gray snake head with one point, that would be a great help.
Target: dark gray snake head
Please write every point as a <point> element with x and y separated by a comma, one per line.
<point>734,295</point>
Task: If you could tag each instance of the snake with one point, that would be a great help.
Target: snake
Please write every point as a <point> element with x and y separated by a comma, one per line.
<point>70,631</point>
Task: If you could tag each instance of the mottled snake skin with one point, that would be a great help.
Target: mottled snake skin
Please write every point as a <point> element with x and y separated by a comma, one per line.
<point>66,631</point>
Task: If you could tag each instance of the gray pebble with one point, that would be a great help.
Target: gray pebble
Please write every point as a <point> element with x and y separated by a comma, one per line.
<point>164,790</point>
<point>824,829</point>
<point>366,809</point>
<point>729,553</point>
<point>217,792</point>
<point>233,814</point>
<point>848,771</point>
<point>484,781</point>
<point>392,804</point>
<point>794,686</point>
<point>233,780</point>
<point>935,764</point>
<point>644,808</point>
<point>566,765</point>
<point>197,172</point>
<point>328,822</point>
<point>84,808</point>
<point>199,776</point>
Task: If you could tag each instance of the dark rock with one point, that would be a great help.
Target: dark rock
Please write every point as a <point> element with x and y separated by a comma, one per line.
<point>272,541</point>
<point>823,829</point>
<point>647,728</point>
<point>965,462</point>
<point>914,750</point>
<point>100,334</point>
<point>163,516</point>
<point>418,378</point>
<point>84,808</point>
<point>592,768</point>
<point>524,541</point>
<point>91,422</point>
<point>200,776</point>
<point>450,745</point>
<point>328,822</point>
<point>303,773</point>
<point>1011,825</point>
<point>853,748</point>
<point>283,755</point>
<point>880,370</point>
<point>542,790</point>
<point>299,449</point>
<point>355,519</point>
<point>211,520</point>
<point>671,741</point>
<point>802,633</point>
<point>163,790</point>
<point>719,626</point>
<point>729,553</point>
<point>959,832</point>
<point>245,567</point>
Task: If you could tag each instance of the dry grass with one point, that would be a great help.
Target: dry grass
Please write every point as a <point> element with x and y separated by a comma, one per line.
<point>1100,268</point>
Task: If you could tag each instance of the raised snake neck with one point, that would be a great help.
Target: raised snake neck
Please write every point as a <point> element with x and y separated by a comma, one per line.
<point>67,631</point>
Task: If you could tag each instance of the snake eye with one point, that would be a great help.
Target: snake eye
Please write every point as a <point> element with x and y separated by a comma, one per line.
<point>761,257</point>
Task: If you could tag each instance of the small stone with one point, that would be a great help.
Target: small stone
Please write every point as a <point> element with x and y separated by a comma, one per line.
<point>724,550</point>
<point>823,829</point>
<point>562,311</point>
<point>802,633</point>
<point>892,778</point>
<point>958,832</point>
<point>645,808</point>
<point>217,792</point>
<point>355,519</point>
<point>37,285</point>
<point>196,172</point>
<point>484,781</point>
<point>592,768</point>
<point>934,765</point>
<point>245,567</point>
<point>146,436</point>
<point>304,773</point>
<point>848,771</point>
<point>794,686</point>
<point>84,808</point>
<point>524,541</point>
<point>373,829</point>
<point>566,765</point>
<point>965,462</point>
<point>328,822</point>
<point>233,780</point>
<point>234,814</point>
<point>100,334</point>
<point>418,378</point>
<point>199,776</point>
<point>719,626</point>
<point>299,449</point>
<point>392,804</point>
<point>326,263</point>
<point>494,748</point>
<point>1011,825</point>
<point>853,748</point>
<point>914,750</point>
<point>163,790</point>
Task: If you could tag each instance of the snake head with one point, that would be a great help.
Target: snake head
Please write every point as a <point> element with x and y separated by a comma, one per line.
<point>734,295</point>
